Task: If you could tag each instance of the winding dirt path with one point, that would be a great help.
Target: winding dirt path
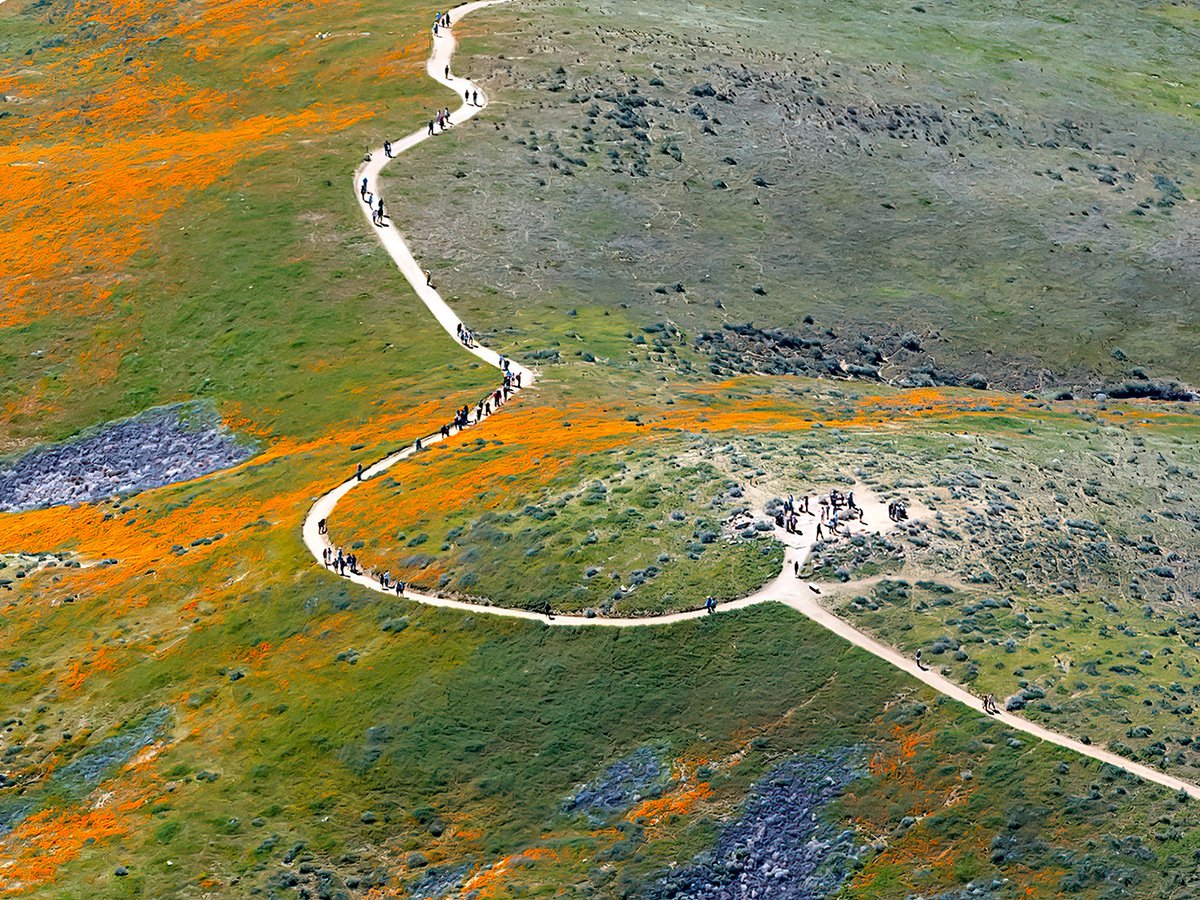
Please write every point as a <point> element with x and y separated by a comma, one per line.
<point>785,589</point>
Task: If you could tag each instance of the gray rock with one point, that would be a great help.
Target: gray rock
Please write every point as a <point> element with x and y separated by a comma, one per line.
<point>158,447</point>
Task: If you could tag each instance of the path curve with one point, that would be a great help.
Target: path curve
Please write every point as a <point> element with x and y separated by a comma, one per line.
<point>785,589</point>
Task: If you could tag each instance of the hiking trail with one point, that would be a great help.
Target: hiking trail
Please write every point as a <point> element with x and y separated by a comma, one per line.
<point>785,588</point>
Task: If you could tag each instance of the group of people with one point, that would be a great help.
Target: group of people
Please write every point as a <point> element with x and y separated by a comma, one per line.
<point>385,582</point>
<point>340,562</point>
<point>789,519</point>
<point>440,21</point>
<point>465,335</point>
<point>837,510</point>
<point>441,121</point>
<point>373,203</point>
<point>897,511</point>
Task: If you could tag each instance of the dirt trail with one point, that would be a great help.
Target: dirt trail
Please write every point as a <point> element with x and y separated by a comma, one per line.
<point>786,588</point>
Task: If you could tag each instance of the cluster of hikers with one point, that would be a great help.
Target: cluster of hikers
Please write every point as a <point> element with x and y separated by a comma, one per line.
<point>466,336</point>
<point>897,511</point>
<point>373,203</point>
<point>441,121</point>
<point>789,519</point>
<point>385,582</point>
<point>440,20</point>
<point>340,562</point>
<point>837,511</point>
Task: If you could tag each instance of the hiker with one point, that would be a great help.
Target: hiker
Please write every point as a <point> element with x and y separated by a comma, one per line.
<point>818,531</point>
<point>711,604</point>
<point>989,704</point>
<point>387,149</point>
<point>447,73</point>
<point>321,526</point>
<point>380,214</point>
<point>431,127</point>
<point>466,97</point>
<point>850,501</point>
<point>399,588</point>
<point>417,446</point>
<point>428,278</point>
<point>362,191</point>
<point>474,98</point>
<point>921,665</point>
<point>358,472</point>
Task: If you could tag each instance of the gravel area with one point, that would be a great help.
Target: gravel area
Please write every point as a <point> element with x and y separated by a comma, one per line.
<point>158,447</point>
<point>778,847</point>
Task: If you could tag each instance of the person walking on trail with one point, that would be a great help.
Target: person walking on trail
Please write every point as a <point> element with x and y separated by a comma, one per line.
<point>428,278</point>
<point>921,665</point>
<point>466,97</point>
<point>358,472</point>
<point>989,705</point>
<point>431,127</point>
<point>710,604</point>
<point>474,98</point>
<point>380,214</point>
<point>447,73</point>
<point>796,568</point>
<point>387,149</point>
<point>362,190</point>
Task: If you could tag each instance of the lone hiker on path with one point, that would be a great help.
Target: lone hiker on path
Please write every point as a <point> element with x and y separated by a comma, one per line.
<point>711,604</point>
<point>362,191</point>
<point>921,665</point>
<point>447,73</point>
<point>387,149</point>
<point>358,472</point>
<point>431,127</point>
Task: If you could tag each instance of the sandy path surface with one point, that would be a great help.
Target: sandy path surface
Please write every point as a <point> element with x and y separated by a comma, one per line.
<point>786,589</point>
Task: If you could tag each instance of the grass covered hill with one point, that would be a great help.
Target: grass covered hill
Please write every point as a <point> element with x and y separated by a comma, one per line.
<point>190,707</point>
